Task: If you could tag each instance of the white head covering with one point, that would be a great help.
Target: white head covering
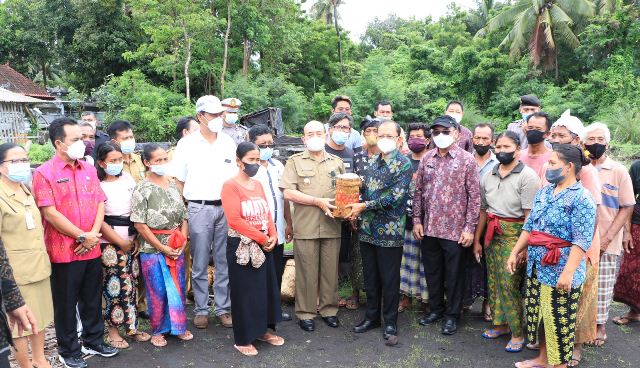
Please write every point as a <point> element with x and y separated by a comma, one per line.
<point>572,123</point>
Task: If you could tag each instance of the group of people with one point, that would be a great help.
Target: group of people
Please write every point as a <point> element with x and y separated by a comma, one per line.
<point>534,219</point>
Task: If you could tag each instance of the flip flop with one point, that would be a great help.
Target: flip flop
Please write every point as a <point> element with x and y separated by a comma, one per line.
<point>247,350</point>
<point>573,362</point>
<point>625,320</point>
<point>119,344</point>
<point>492,334</point>
<point>272,340</point>
<point>342,302</point>
<point>352,303</point>
<point>514,347</point>
<point>158,341</point>
<point>185,336</point>
<point>140,336</point>
<point>524,365</point>
<point>598,342</point>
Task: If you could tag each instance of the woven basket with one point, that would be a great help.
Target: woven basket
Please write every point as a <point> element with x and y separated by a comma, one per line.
<point>347,192</point>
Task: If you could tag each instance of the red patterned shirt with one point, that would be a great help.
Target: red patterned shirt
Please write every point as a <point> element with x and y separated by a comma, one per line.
<point>447,196</point>
<point>74,190</point>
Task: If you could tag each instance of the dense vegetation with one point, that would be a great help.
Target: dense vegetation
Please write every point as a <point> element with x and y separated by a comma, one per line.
<point>148,60</point>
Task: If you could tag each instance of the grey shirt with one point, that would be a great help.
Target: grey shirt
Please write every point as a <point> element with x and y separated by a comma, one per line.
<point>509,196</point>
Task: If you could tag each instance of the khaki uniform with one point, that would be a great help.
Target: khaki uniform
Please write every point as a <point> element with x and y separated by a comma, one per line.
<point>237,132</point>
<point>316,236</point>
<point>135,168</point>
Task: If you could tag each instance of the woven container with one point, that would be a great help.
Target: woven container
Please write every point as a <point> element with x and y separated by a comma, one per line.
<point>288,289</point>
<point>347,192</point>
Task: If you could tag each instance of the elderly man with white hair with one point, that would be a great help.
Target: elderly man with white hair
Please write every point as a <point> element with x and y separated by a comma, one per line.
<point>616,209</point>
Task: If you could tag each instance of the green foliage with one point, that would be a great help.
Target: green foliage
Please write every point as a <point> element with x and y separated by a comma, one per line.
<point>40,153</point>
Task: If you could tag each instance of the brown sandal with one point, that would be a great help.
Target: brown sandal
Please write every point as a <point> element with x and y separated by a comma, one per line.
<point>625,320</point>
<point>158,341</point>
<point>247,350</point>
<point>185,336</point>
<point>353,303</point>
<point>121,344</point>
<point>272,339</point>
<point>140,336</point>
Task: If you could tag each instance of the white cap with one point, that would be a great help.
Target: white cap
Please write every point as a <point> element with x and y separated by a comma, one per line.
<point>210,104</point>
<point>572,123</point>
<point>232,104</point>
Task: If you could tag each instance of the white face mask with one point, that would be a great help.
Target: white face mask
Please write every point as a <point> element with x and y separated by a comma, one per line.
<point>386,145</point>
<point>231,118</point>
<point>314,144</point>
<point>215,124</point>
<point>443,141</point>
<point>456,116</point>
<point>160,170</point>
<point>128,146</point>
<point>76,150</point>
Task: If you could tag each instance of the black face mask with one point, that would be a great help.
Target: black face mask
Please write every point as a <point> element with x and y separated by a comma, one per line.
<point>535,136</point>
<point>481,150</point>
<point>505,158</point>
<point>596,150</point>
<point>251,169</point>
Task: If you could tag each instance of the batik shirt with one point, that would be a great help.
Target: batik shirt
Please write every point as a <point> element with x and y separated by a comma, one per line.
<point>385,191</point>
<point>570,215</point>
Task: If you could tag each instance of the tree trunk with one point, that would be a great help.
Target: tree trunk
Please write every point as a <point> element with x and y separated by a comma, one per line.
<point>246,58</point>
<point>335,23</point>
<point>556,64</point>
<point>187,61</point>
<point>226,50</point>
<point>44,74</point>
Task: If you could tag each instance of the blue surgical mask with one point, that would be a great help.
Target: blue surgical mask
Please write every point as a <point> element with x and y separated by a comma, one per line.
<point>19,173</point>
<point>160,170</point>
<point>231,118</point>
<point>339,138</point>
<point>128,146</point>
<point>525,116</point>
<point>266,153</point>
<point>554,176</point>
<point>114,169</point>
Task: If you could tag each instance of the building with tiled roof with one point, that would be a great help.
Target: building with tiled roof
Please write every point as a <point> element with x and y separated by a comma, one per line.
<point>15,82</point>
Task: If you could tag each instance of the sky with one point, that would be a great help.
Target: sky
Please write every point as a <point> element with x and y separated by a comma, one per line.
<point>356,14</point>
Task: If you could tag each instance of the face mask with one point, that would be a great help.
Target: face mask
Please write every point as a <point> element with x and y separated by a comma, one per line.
<point>554,176</point>
<point>505,158</point>
<point>160,170</point>
<point>443,141</point>
<point>128,146</point>
<point>215,125</point>
<point>535,136</point>
<point>457,117</point>
<point>525,116</point>
<point>386,145</point>
<point>596,150</point>
<point>88,147</point>
<point>266,153</point>
<point>250,169</point>
<point>315,144</point>
<point>76,150</point>
<point>231,118</point>
<point>417,144</point>
<point>481,150</point>
<point>371,139</point>
<point>339,138</point>
<point>19,173</point>
<point>114,169</point>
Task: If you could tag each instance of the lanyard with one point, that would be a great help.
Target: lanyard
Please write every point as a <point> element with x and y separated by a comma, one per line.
<point>273,194</point>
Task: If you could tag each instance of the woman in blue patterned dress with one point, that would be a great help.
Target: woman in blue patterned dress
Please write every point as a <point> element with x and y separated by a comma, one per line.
<point>556,236</point>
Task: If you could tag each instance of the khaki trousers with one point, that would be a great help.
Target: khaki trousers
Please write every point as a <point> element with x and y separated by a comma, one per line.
<point>316,277</point>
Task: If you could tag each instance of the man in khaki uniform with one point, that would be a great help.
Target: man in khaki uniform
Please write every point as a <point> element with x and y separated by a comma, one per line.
<point>309,181</point>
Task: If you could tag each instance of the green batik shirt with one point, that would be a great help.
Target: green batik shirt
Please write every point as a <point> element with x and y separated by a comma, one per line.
<point>385,190</point>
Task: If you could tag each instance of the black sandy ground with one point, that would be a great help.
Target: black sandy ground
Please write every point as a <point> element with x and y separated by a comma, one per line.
<point>339,347</point>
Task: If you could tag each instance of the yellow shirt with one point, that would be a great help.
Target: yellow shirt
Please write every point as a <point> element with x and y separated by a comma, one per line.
<point>135,168</point>
<point>23,237</point>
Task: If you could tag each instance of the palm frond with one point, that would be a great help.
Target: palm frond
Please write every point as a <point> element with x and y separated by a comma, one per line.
<point>504,18</point>
<point>547,26</point>
<point>576,9</point>
<point>606,6</point>
<point>565,34</point>
<point>517,38</point>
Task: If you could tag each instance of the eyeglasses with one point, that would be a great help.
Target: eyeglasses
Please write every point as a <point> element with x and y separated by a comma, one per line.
<point>387,136</point>
<point>342,128</point>
<point>436,133</point>
<point>18,161</point>
<point>263,146</point>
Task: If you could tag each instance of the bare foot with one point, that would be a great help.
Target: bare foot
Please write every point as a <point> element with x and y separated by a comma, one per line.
<point>40,363</point>
<point>533,363</point>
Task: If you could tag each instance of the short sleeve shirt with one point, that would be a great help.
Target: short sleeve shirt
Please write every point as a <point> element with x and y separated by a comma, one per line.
<point>316,178</point>
<point>135,168</point>
<point>119,193</point>
<point>269,177</point>
<point>509,196</point>
<point>536,162</point>
<point>346,155</point>
<point>74,190</point>
<point>158,208</point>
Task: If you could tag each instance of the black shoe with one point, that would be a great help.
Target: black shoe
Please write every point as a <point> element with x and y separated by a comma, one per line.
<point>307,325</point>
<point>143,315</point>
<point>331,321</point>
<point>430,319</point>
<point>103,349</point>
<point>450,327</point>
<point>286,316</point>
<point>365,326</point>
<point>389,331</point>
<point>72,362</point>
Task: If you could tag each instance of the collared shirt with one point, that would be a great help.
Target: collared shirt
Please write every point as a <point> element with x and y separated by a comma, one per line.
<point>354,141</point>
<point>345,154</point>
<point>135,168</point>
<point>570,215</point>
<point>238,133</point>
<point>23,236</point>
<point>516,127</point>
<point>202,166</point>
<point>269,177</point>
<point>447,197</point>
<point>466,139</point>
<point>536,162</point>
<point>487,166</point>
<point>509,196</point>
<point>317,178</point>
<point>617,192</point>
<point>385,191</point>
<point>74,190</point>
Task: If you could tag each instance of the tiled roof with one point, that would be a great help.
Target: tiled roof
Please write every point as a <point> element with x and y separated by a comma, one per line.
<point>18,83</point>
<point>8,96</point>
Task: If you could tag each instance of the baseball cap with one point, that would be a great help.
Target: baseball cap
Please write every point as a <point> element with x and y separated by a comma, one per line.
<point>210,104</point>
<point>572,123</point>
<point>445,121</point>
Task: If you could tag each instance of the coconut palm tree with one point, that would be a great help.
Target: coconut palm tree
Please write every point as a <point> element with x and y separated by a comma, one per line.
<point>327,10</point>
<point>539,25</point>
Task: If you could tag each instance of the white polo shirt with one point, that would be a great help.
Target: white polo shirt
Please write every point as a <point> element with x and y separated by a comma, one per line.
<point>269,177</point>
<point>204,167</point>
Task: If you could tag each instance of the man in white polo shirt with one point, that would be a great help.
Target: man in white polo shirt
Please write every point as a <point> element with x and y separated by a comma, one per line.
<point>203,161</point>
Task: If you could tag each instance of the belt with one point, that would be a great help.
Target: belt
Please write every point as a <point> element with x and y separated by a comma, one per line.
<point>216,203</point>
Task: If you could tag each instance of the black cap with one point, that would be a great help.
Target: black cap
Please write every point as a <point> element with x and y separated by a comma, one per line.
<point>444,121</point>
<point>529,100</point>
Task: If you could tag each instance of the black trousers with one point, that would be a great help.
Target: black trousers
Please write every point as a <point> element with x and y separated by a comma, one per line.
<point>279,262</point>
<point>381,268</point>
<point>4,359</point>
<point>444,266</point>
<point>77,283</point>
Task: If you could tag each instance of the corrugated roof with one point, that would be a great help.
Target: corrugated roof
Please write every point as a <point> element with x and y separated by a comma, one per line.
<point>15,82</point>
<point>8,96</point>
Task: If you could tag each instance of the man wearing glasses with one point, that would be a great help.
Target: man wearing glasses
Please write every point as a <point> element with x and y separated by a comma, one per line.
<point>446,208</point>
<point>344,104</point>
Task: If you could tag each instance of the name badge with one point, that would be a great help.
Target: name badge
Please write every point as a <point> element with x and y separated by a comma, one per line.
<point>64,180</point>
<point>31,224</point>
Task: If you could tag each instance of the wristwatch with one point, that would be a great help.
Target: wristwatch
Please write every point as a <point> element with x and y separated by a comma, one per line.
<point>81,238</point>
